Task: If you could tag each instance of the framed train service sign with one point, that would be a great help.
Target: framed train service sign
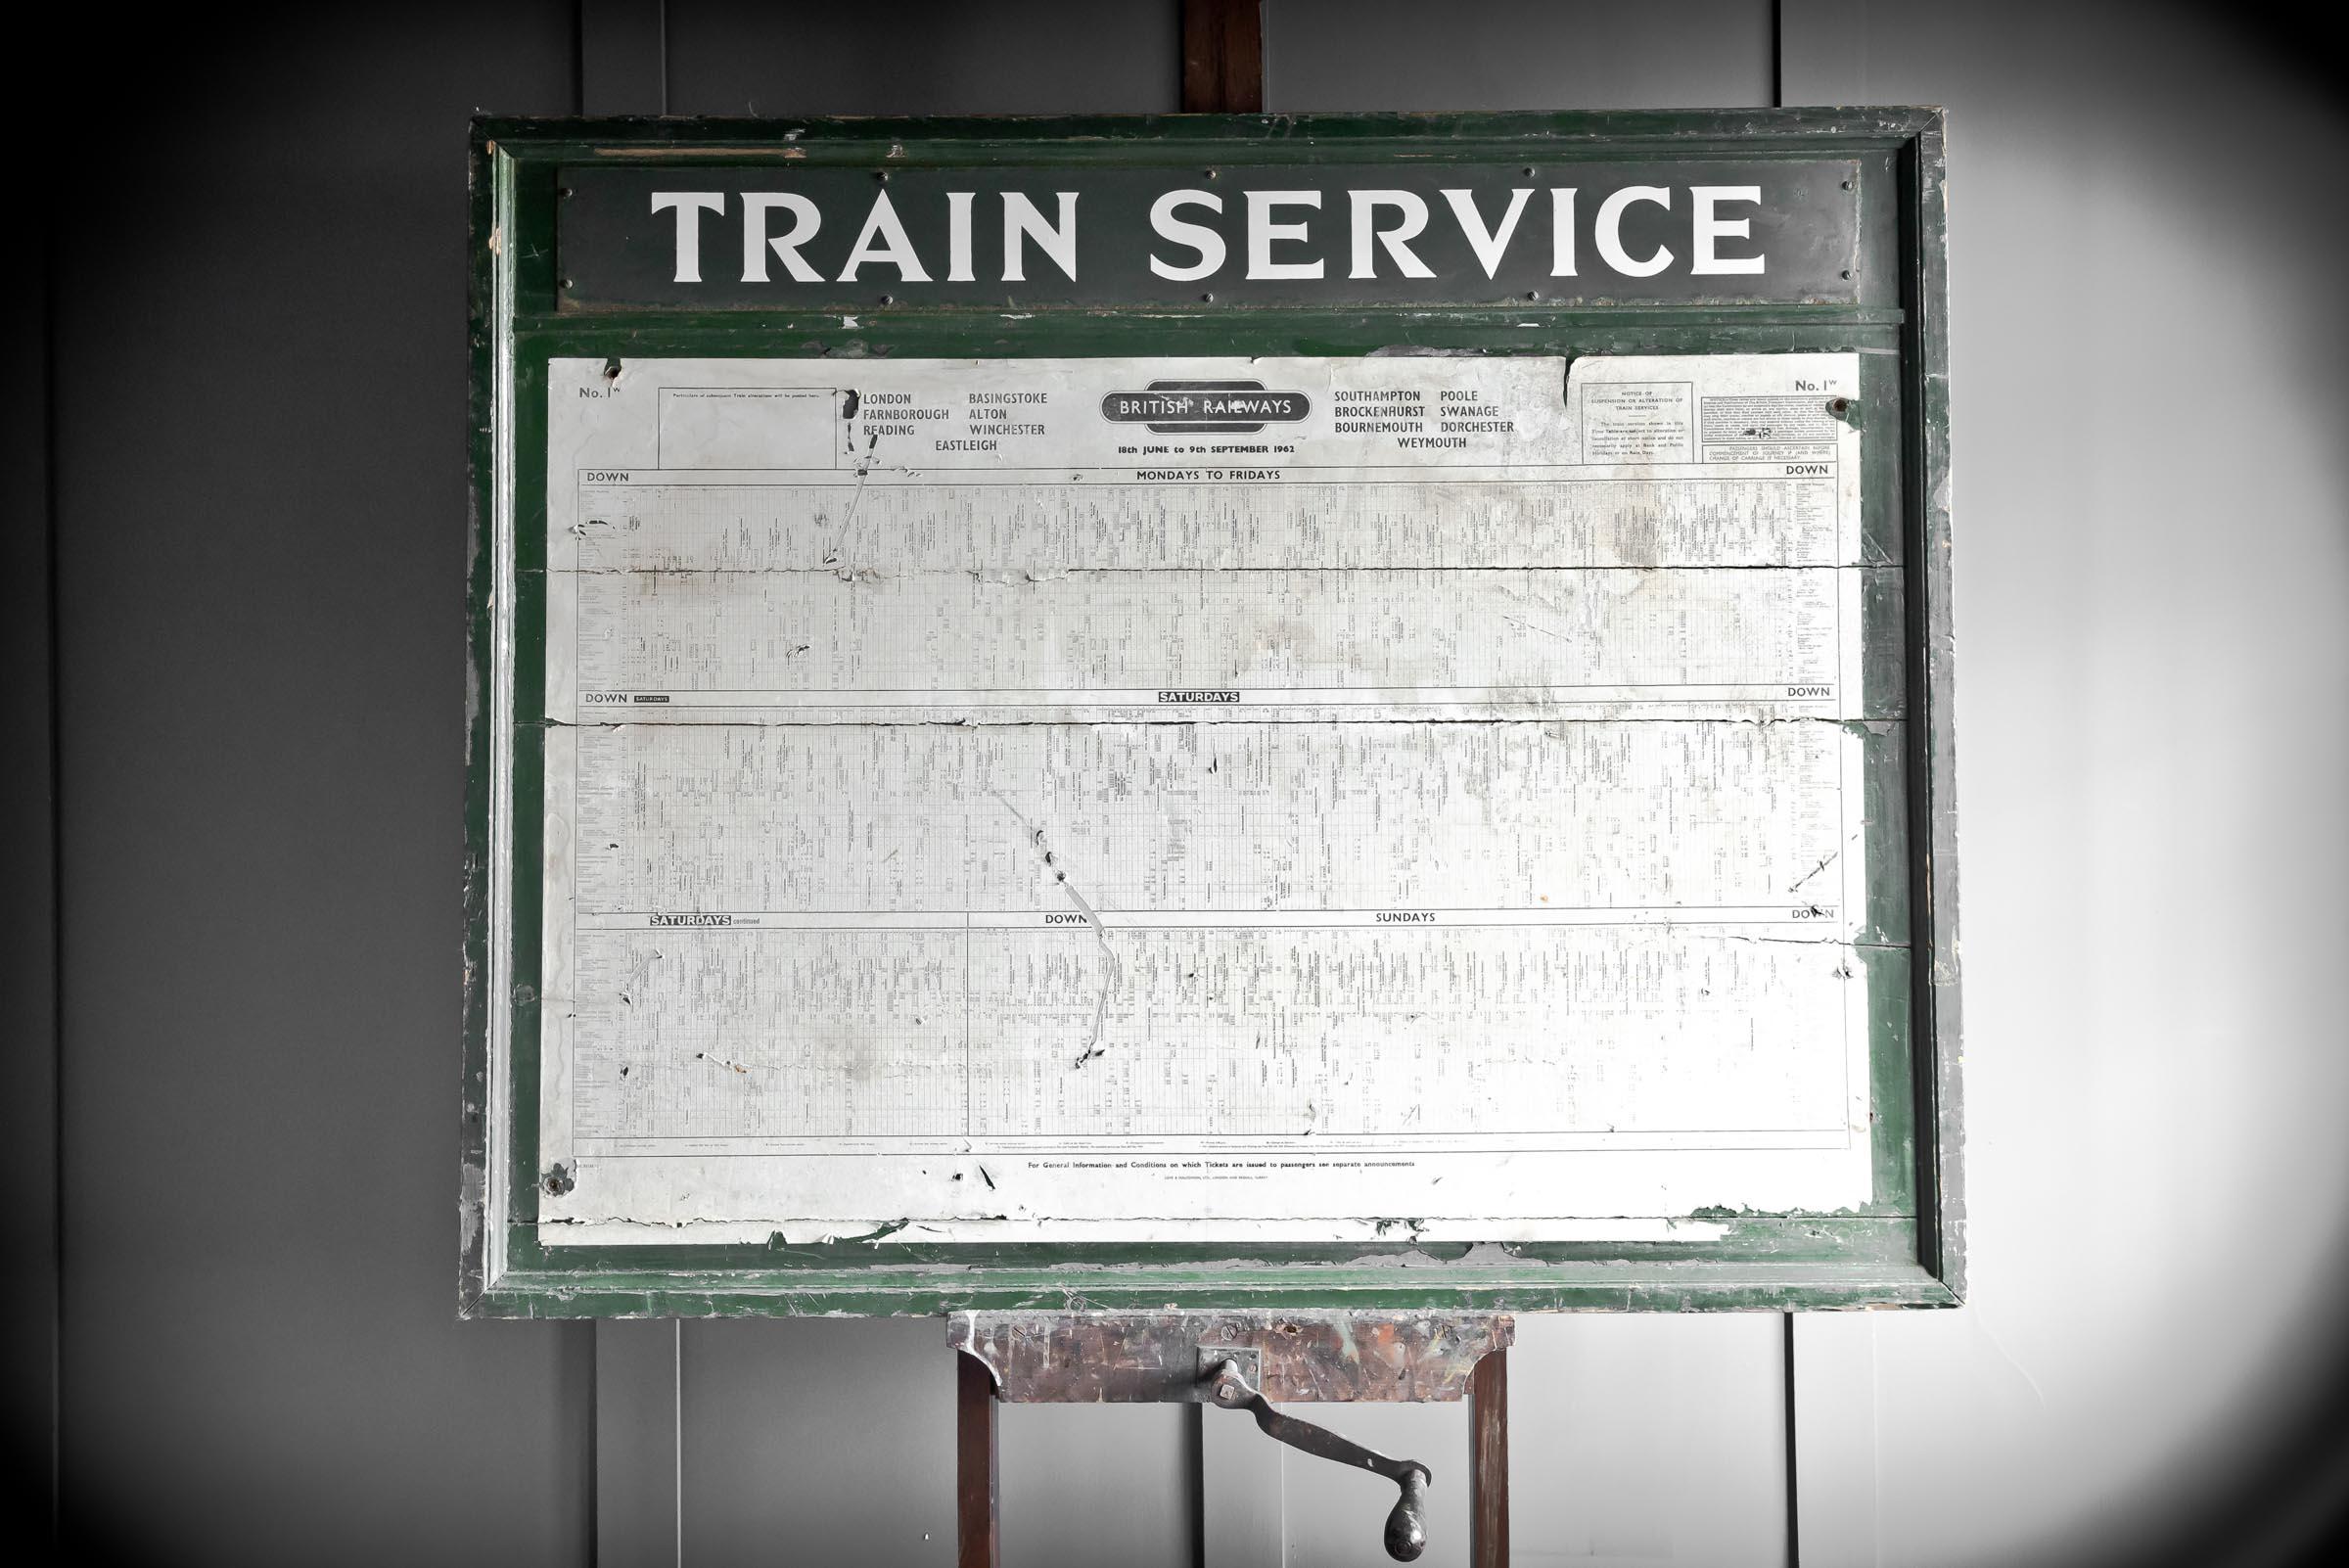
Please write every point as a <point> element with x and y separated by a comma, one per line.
<point>1214,712</point>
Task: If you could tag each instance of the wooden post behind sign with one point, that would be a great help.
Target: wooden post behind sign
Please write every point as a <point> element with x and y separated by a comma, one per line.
<point>1223,57</point>
<point>1488,1461</point>
<point>977,1465</point>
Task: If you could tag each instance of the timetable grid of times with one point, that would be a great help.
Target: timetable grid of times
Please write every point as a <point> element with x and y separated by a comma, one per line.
<point>1724,515</point>
<point>743,634</point>
<point>825,900</point>
<point>1242,819</point>
<point>943,1035</point>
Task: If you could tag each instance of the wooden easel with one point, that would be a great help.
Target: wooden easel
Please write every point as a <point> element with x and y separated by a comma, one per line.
<point>1229,1359</point>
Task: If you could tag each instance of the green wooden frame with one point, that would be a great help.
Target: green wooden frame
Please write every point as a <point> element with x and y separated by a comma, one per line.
<point>1905,1248</point>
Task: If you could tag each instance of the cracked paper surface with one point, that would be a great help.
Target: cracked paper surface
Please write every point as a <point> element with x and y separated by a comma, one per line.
<point>969,814</point>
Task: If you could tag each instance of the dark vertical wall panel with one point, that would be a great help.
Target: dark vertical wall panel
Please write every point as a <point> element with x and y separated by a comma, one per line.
<point>27,913</point>
<point>1331,55</point>
<point>639,1462</point>
<point>926,57</point>
<point>821,1441</point>
<point>1097,1483</point>
<point>260,463</point>
<point>624,57</point>
<point>1618,1421</point>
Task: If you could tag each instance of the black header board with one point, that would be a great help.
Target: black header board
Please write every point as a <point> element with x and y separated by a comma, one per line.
<point>1667,231</point>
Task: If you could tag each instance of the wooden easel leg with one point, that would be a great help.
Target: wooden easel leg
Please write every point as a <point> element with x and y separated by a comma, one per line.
<point>975,1466</point>
<point>1489,1462</point>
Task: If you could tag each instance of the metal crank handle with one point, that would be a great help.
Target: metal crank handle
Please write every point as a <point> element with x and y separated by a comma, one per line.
<point>1407,1524</point>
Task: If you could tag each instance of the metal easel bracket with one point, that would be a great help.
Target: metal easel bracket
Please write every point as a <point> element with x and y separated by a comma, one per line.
<point>1246,1361</point>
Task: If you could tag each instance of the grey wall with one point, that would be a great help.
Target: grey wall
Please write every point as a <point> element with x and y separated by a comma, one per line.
<point>258,309</point>
<point>2151,595</point>
<point>242,407</point>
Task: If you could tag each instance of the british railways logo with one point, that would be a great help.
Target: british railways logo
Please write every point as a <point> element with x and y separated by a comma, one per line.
<point>1191,407</point>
